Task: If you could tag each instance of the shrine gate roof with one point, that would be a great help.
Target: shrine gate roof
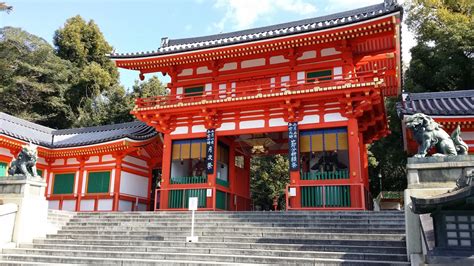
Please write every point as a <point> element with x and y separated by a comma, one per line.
<point>170,46</point>
<point>51,138</point>
<point>446,103</point>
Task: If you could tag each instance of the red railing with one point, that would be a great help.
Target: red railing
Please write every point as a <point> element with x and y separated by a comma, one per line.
<point>260,90</point>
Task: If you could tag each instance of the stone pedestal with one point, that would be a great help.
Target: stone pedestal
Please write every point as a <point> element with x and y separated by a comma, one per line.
<point>428,177</point>
<point>32,215</point>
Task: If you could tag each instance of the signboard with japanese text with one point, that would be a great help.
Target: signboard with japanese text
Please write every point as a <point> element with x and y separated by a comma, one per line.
<point>210,141</point>
<point>293,146</point>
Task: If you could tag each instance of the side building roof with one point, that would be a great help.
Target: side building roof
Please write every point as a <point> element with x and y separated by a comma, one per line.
<point>446,103</point>
<point>170,46</point>
<point>63,138</point>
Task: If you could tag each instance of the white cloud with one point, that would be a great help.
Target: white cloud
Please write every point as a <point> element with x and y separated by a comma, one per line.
<point>244,13</point>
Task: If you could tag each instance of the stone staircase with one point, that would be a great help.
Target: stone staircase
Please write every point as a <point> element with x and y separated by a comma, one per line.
<point>147,238</point>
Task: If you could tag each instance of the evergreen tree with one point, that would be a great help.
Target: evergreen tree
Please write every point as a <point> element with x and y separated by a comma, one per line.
<point>33,80</point>
<point>268,179</point>
<point>442,60</point>
<point>95,95</point>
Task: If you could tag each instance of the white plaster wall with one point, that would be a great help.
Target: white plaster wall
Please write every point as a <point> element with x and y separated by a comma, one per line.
<point>76,183</point>
<point>133,184</point>
<point>93,159</point>
<point>198,129</point>
<point>69,205</point>
<point>252,124</point>
<point>309,119</point>
<point>332,117</point>
<point>112,182</point>
<point>337,72</point>
<point>307,55</point>
<point>203,70</point>
<point>329,51</point>
<point>87,205</point>
<point>229,66</point>
<point>125,205</point>
<point>284,80</point>
<point>186,72</point>
<point>58,162</point>
<point>53,204</point>
<point>278,59</point>
<point>300,76</point>
<point>134,160</point>
<point>275,122</point>
<point>226,126</point>
<point>6,152</point>
<point>84,180</point>
<point>41,160</point>
<point>72,161</point>
<point>208,88</point>
<point>105,205</point>
<point>180,130</point>
<point>107,157</point>
<point>179,90</point>
<point>253,63</point>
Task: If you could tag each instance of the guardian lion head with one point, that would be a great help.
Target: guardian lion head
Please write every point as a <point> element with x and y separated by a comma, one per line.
<point>421,122</point>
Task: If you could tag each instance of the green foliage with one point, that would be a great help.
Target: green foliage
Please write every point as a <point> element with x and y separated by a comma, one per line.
<point>442,60</point>
<point>269,176</point>
<point>33,80</point>
<point>149,88</point>
<point>387,156</point>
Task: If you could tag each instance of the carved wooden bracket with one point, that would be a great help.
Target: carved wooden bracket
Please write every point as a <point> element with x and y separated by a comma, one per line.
<point>212,119</point>
<point>292,111</point>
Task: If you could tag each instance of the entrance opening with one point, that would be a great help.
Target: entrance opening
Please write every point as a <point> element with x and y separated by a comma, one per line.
<point>269,168</point>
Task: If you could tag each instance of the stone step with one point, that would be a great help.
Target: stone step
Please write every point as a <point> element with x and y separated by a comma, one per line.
<point>282,240</point>
<point>238,257</point>
<point>27,259</point>
<point>243,219</point>
<point>229,223</point>
<point>157,230</point>
<point>361,253</point>
<point>323,246</point>
<point>221,235</point>
<point>239,227</point>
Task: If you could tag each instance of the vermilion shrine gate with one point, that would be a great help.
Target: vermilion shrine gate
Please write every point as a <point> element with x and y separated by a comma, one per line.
<point>312,89</point>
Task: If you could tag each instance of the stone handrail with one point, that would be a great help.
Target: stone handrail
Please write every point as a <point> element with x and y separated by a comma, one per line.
<point>7,222</point>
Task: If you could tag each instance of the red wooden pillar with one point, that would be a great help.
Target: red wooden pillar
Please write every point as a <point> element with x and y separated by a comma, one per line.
<point>166,171</point>
<point>354,162</point>
<point>82,161</point>
<point>118,174</point>
<point>232,175</point>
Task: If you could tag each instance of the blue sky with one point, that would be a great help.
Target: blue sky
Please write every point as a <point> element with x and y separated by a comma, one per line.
<point>132,26</point>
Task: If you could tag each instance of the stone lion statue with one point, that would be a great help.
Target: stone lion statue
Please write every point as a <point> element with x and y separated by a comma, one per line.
<point>429,134</point>
<point>25,163</point>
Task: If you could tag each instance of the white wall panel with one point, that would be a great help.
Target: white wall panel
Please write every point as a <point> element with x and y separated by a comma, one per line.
<point>226,126</point>
<point>332,117</point>
<point>133,184</point>
<point>309,119</point>
<point>53,204</point>
<point>69,205</point>
<point>252,124</point>
<point>198,129</point>
<point>87,205</point>
<point>125,205</point>
<point>135,160</point>
<point>253,63</point>
<point>180,130</point>
<point>105,205</point>
<point>6,152</point>
<point>275,122</point>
